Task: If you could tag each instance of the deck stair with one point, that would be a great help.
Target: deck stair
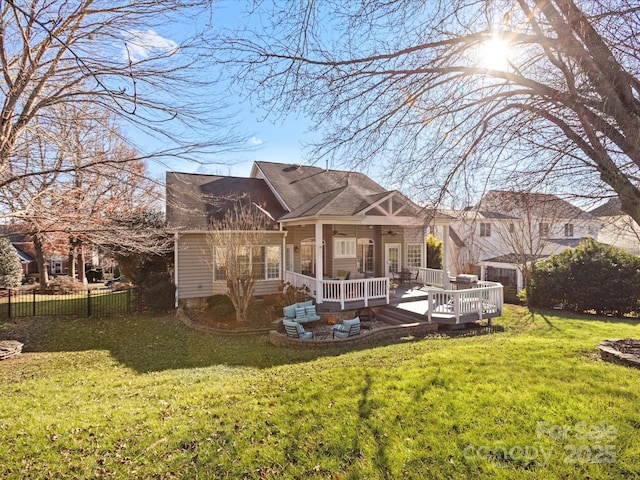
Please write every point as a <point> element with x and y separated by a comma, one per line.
<point>398,316</point>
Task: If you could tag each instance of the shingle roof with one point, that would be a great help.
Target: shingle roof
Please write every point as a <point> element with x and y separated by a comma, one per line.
<point>298,185</point>
<point>611,208</point>
<point>193,200</point>
<point>545,205</point>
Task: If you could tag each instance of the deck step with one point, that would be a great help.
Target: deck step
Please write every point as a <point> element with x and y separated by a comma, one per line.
<point>398,316</point>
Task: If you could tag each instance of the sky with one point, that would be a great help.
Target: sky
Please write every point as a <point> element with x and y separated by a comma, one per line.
<point>269,139</point>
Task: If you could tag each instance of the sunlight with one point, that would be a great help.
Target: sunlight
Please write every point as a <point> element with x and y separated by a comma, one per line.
<point>494,54</point>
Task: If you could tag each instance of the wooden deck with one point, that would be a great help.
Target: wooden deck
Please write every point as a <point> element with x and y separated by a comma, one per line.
<point>416,300</point>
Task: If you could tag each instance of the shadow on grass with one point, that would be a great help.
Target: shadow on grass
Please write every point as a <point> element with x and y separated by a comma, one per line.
<point>147,344</point>
<point>568,315</point>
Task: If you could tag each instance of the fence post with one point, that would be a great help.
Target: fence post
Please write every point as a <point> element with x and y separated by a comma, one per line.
<point>128,301</point>
<point>9,304</point>
<point>88,303</point>
<point>34,302</point>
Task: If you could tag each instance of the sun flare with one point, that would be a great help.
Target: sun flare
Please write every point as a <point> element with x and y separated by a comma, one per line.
<point>494,54</point>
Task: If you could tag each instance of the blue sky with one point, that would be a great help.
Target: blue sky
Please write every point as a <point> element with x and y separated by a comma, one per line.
<point>270,139</point>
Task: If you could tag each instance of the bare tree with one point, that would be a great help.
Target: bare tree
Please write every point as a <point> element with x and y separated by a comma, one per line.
<point>109,55</point>
<point>524,227</point>
<point>455,92</point>
<point>238,244</point>
<point>69,211</point>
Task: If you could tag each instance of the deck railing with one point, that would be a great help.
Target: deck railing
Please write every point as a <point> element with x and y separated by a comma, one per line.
<point>484,299</point>
<point>341,291</point>
<point>430,276</point>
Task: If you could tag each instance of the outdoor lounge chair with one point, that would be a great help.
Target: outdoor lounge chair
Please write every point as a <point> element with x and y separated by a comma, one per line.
<point>347,328</point>
<point>295,330</point>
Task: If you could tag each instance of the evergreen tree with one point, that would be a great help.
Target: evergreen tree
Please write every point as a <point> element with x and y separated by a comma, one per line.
<point>10,267</point>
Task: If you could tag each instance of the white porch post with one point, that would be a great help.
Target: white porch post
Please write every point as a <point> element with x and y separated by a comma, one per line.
<point>319,258</point>
<point>519,280</point>
<point>445,256</point>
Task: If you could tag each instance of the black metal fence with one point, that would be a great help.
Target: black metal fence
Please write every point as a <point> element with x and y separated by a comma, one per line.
<point>99,302</point>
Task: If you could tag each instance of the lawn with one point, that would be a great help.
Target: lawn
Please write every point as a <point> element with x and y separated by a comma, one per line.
<point>142,397</point>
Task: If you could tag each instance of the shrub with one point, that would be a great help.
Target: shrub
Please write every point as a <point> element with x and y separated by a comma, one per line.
<point>160,296</point>
<point>592,277</point>
<point>220,307</point>
<point>434,252</point>
<point>64,285</point>
<point>10,266</point>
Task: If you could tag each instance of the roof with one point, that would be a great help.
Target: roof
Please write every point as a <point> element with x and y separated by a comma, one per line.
<point>544,204</point>
<point>24,257</point>
<point>612,207</point>
<point>300,185</point>
<point>512,258</point>
<point>193,200</point>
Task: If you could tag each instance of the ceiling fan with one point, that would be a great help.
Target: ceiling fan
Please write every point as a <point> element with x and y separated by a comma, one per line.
<point>391,232</point>
<point>336,233</point>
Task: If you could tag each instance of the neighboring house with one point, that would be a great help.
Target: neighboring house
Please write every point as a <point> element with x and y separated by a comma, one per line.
<point>325,224</point>
<point>508,231</point>
<point>57,263</point>
<point>616,227</point>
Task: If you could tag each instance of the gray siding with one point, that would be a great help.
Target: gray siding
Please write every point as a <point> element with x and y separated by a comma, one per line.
<point>195,274</point>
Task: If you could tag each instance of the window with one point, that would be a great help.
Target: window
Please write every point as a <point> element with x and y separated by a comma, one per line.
<point>263,262</point>
<point>273,262</point>
<point>568,230</point>
<point>543,229</point>
<point>414,255</point>
<point>56,267</point>
<point>308,257</point>
<point>365,255</point>
<point>485,229</point>
<point>344,248</point>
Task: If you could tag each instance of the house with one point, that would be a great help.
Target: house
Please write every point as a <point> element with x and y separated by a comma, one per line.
<point>23,243</point>
<point>326,225</point>
<point>507,230</point>
<point>616,227</point>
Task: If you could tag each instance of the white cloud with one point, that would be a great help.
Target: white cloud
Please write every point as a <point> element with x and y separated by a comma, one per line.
<point>142,44</point>
<point>255,141</point>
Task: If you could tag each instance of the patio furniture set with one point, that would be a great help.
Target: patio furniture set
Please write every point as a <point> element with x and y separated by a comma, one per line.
<point>305,312</point>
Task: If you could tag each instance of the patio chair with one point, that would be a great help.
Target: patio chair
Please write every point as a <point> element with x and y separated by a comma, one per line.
<point>347,328</point>
<point>343,274</point>
<point>295,330</point>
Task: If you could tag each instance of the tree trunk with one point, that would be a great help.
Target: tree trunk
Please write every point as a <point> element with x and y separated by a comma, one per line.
<point>43,275</point>
<point>81,274</point>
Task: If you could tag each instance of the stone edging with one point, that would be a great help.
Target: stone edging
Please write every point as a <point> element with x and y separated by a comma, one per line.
<point>366,337</point>
<point>609,353</point>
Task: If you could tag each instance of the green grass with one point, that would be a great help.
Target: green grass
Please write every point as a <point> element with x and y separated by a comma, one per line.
<point>135,397</point>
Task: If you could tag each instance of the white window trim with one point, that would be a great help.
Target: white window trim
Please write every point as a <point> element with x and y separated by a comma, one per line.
<point>344,247</point>
<point>266,262</point>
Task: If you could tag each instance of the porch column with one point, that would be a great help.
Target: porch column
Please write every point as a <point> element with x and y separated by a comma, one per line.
<point>319,272</point>
<point>519,280</point>
<point>445,256</point>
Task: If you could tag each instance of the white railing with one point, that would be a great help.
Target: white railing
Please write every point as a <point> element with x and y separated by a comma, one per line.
<point>431,277</point>
<point>299,280</point>
<point>341,291</point>
<point>483,299</point>
<point>364,289</point>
